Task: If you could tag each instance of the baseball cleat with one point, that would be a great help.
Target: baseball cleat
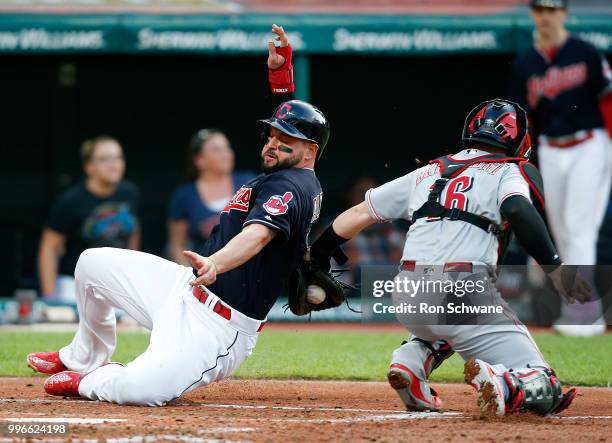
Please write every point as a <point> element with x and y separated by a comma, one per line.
<point>571,330</point>
<point>483,378</point>
<point>416,394</point>
<point>64,384</point>
<point>566,401</point>
<point>45,362</point>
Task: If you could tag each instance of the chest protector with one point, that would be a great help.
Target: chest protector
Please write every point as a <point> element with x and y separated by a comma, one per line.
<point>450,169</point>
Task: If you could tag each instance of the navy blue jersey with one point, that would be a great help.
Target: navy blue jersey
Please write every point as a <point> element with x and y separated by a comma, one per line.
<point>288,201</point>
<point>562,95</point>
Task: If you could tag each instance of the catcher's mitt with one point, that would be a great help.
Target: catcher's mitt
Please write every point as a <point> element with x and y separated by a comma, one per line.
<point>308,274</point>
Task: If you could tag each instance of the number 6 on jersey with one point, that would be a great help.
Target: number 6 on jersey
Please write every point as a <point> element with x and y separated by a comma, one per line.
<point>455,193</point>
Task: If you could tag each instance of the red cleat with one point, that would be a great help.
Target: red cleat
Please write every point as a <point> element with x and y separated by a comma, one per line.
<point>64,384</point>
<point>45,362</point>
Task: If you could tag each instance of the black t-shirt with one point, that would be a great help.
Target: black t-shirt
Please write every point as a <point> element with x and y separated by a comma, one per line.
<point>288,201</point>
<point>89,221</point>
<point>562,95</point>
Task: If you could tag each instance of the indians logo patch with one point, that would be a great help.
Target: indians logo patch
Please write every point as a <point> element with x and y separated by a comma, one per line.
<point>278,204</point>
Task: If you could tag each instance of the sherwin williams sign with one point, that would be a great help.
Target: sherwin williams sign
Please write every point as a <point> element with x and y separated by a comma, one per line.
<point>236,40</point>
<point>41,39</point>
<point>413,35</point>
<point>416,40</point>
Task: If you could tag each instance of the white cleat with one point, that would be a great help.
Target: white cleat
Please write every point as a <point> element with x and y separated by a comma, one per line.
<point>597,328</point>
<point>483,378</point>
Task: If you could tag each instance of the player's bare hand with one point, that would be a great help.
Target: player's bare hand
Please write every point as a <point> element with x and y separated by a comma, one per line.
<point>205,267</point>
<point>276,60</point>
<point>570,285</point>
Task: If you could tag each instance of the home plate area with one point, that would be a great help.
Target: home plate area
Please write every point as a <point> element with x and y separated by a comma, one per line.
<point>295,410</point>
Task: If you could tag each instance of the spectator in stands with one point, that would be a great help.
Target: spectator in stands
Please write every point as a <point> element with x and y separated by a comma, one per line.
<point>195,207</point>
<point>100,211</point>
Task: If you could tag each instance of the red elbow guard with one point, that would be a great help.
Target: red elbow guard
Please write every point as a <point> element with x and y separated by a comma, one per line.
<point>281,79</point>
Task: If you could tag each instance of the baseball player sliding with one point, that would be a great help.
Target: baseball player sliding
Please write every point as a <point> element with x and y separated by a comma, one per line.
<point>200,334</point>
<point>460,206</point>
<point>567,88</point>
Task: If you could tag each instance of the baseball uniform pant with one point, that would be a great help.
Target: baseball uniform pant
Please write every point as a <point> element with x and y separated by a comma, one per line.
<point>190,345</point>
<point>503,340</point>
<point>577,190</point>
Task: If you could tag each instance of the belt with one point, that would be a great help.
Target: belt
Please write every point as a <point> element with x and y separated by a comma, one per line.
<point>569,141</point>
<point>457,266</point>
<point>219,308</point>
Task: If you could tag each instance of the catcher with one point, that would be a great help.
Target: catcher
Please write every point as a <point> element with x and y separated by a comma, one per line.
<point>461,207</point>
<point>204,321</point>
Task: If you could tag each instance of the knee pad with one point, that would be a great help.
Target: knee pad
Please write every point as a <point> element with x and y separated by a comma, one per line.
<point>537,390</point>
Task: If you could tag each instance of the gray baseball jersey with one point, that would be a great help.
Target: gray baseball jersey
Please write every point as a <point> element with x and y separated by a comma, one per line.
<point>480,189</point>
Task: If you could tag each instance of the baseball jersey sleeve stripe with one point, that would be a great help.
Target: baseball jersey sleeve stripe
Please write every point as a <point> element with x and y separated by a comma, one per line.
<point>262,222</point>
<point>371,208</point>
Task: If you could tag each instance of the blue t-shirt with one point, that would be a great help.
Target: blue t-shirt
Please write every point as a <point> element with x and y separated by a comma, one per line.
<point>186,204</point>
<point>89,221</point>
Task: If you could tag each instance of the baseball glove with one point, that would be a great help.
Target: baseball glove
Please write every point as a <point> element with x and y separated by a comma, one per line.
<point>308,274</point>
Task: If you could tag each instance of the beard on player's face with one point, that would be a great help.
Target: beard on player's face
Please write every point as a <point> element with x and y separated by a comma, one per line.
<point>281,151</point>
<point>277,162</point>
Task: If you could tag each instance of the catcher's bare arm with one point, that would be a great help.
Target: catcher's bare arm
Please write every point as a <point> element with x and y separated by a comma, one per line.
<point>352,221</point>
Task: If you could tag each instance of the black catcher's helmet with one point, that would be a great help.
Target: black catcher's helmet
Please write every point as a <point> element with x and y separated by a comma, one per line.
<point>499,123</point>
<point>301,120</point>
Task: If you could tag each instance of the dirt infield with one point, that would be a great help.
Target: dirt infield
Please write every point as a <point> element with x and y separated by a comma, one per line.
<point>271,410</point>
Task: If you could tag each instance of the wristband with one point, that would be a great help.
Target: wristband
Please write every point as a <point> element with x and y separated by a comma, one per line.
<point>281,79</point>
<point>329,241</point>
<point>553,265</point>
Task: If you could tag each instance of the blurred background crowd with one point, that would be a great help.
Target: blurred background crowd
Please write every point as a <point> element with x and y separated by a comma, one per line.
<point>141,149</point>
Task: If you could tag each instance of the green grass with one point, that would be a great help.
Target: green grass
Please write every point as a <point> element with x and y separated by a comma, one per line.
<point>332,355</point>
